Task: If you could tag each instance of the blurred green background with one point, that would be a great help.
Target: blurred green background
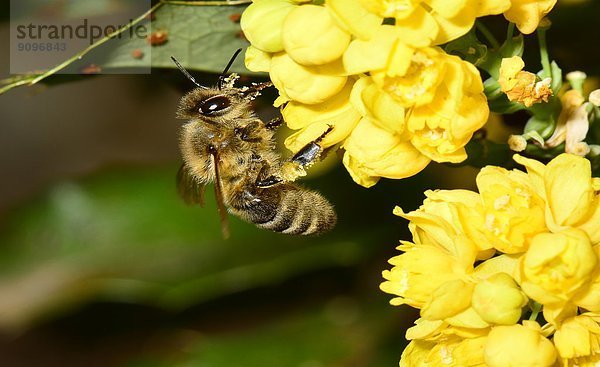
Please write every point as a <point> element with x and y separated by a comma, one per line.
<point>101,264</point>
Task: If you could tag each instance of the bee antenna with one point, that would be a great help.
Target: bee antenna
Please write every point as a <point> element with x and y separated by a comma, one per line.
<point>186,73</point>
<point>222,76</point>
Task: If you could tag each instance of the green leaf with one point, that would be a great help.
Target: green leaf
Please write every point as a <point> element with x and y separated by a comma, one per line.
<point>200,37</point>
<point>534,135</point>
<point>557,77</point>
<point>492,89</point>
<point>468,47</point>
<point>511,47</point>
<point>504,106</point>
<point>543,127</point>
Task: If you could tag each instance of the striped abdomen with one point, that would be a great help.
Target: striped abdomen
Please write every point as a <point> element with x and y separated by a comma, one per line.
<point>291,209</point>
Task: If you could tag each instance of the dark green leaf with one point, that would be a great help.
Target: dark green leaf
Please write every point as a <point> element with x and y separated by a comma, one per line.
<point>544,127</point>
<point>200,37</point>
<point>511,47</point>
<point>468,47</point>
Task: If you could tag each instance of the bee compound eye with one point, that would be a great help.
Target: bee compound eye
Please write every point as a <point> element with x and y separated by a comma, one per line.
<point>213,105</point>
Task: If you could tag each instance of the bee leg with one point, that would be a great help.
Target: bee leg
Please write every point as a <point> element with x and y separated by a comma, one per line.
<point>274,123</point>
<point>264,180</point>
<point>296,166</point>
<point>311,151</point>
<point>268,182</point>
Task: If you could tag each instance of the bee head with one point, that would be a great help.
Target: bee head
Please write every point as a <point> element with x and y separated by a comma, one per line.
<point>224,102</point>
<point>212,104</point>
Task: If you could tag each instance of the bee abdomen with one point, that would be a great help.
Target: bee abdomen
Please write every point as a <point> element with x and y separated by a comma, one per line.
<point>301,212</point>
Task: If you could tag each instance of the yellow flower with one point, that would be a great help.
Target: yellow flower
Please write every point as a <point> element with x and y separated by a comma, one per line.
<point>431,229</point>
<point>418,85</point>
<point>570,190</point>
<point>443,127</point>
<point>257,60</point>
<point>499,300</point>
<point>424,23</point>
<point>378,106</point>
<point>589,296</point>
<point>522,86</point>
<point>311,36</point>
<point>387,53</point>
<point>304,84</point>
<point>447,97</point>
<point>449,299</point>
<point>423,268</point>
<point>518,346</point>
<point>577,340</point>
<point>513,211</point>
<point>373,152</point>
<point>354,18</point>
<point>557,265</point>
<point>262,22</point>
<point>450,352</point>
<point>498,264</point>
<point>527,14</point>
<point>461,209</point>
<point>314,119</point>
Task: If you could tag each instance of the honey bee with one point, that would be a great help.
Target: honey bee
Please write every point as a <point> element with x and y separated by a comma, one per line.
<point>224,142</point>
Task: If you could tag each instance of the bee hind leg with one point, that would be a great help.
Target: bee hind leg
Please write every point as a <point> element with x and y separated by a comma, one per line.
<point>304,158</point>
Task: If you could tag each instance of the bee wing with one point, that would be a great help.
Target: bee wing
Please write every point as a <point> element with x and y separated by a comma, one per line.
<point>219,197</point>
<point>190,190</point>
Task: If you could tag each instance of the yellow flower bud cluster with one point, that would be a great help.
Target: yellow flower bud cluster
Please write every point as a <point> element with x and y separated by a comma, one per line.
<point>508,276</point>
<point>395,101</point>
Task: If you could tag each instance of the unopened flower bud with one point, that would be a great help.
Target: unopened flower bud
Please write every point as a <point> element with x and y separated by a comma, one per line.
<point>594,150</point>
<point>576,79</point>
<point>594,98</point>
<point>517,143</point>
<point>262,22</point>
<point>581,149</point>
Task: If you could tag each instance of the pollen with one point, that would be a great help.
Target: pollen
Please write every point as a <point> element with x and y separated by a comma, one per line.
<point>501,202</point>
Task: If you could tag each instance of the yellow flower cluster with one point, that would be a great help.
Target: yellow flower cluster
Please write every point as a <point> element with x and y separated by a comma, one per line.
<point>482,265</point>
<point>392,122</point>
<point>371,69</point>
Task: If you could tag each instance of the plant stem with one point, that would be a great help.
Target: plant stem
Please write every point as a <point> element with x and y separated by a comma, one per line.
<point>544,53</point>
<point>510,31</point>
<point>535,310</point>
<point>487,34</point>
<point>25,79</point>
